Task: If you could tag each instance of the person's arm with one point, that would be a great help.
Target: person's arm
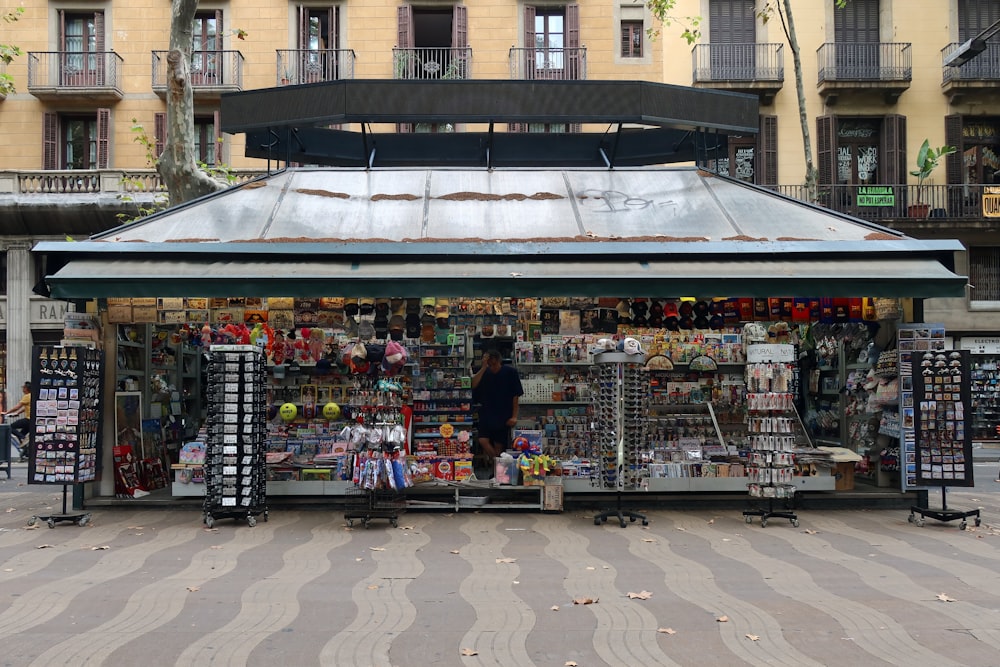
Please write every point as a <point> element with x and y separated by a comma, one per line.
<point>18,409</point>
<point>515,407</point>
<point>478,377</point>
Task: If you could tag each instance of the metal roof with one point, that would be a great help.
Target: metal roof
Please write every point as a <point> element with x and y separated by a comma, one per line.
<point>648,231</point>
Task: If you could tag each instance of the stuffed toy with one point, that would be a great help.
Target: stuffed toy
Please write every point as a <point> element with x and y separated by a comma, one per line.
<point>278,347</point>
<point>316,342</point>
<point>256,333</point>
<point>206,335</point>
<point>394,359</point>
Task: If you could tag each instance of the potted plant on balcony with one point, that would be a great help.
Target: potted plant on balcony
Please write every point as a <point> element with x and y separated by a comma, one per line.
<point>927,162</point>
<point>286,76</point>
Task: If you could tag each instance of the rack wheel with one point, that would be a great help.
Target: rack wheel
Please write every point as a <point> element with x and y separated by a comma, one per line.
<point>920,522</point>
<point>763,523</point>
<point>631,519</point>
<point>251,520</point>
<point>645,522</point>
<point>748,518</point>
<point>52,523</point>
<point>32,521</point>
<point>265,516</point>
<point>350,523</point>
<point>209,521</point>
<point>978,521</point>
<point>597,521</point>
<point>84,520</point>
<point>394,522</point>
<point>795,523</point>
<point>963,525</point>
<point>622,523</point>
<point>910,518</point>
<point>365,523</point>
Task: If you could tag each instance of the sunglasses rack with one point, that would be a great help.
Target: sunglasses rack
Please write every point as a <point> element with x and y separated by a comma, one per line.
<point>620,438</point>
<point>773,426</point>
<point>237,426</point>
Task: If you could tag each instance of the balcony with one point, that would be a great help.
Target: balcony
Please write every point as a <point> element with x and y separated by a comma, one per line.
<point>979,75</point>
<point>435,63</point>
<point>62,75</point>
<point>212,73</point>
<point>885,68</point>
<point>297,66</point>
<point>757,69</point>
<point>910,207</point>
<point>548,64</point>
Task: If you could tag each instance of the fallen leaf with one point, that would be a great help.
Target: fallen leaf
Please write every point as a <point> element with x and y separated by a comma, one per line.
<point>406,527</point>
<point>506,560</point>
<point>377,548</point>
<point>46,546</point>
<point>373,587</point>
<point>358,560</point>
<point>31,527</point>
<point>752,638</point>
<point>136,527</point>
<point>554,607</point>
<point>515,582</point>
<point>104,547</point>
<point>944,598</point>
<point>809,531</point>
<point>649,539</point>
<point>193,589</point>
<point>711,521</point>
<point>680,528</point>
<point>584,600</point>
<point>722,619</point>
<point>468,651</point>
<point>11,509</point>
<point>667,631</point>
<point>211,530</point>
<point>216,546</point>
<point>569,663</point>
<point>641,595</point>
<point>455,551</point>
<point>591,567</point>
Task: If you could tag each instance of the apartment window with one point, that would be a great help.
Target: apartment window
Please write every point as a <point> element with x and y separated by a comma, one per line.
<point>81,44</point>
<point>76,141</point>
<point>984,275</point>
<point>861,151</point>
<point>631,39</point>
<point>318,44</point>
<point>552,35</point>
<point>740,160</point>
<point>750,159</point>
<point>206,49</point>
<point>204,139</point>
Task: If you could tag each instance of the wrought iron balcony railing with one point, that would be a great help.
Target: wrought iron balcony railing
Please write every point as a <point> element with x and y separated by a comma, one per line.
<point>211,71</point>
<point>719,63</point>
<point>912,202</point>
<point>314,65</point>
<point>548,64</point>
<point>447,62</point>
<point>869,62</point>
<point>67,73</point>
<point>103,181</point>
<point>984,67</point>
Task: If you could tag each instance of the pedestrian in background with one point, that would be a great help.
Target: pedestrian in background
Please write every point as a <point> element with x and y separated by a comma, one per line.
<point>22,426</point>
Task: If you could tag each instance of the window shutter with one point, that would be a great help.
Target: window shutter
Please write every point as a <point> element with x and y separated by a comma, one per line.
<point>50,140</point>
<point>460,27</point>
<point>767,151</point>
<point>894,150</point>
<point>404,21</point>
<point>218,144</point>
<point>517,127</point>
<point>303,42</point>
<point>62,30</point>
<point>159,133</point>
<point>953,137</point>
<point>573,41</point>
<point>220,33</point>
<point>529,27</point>
<point>826,149</point>
<point>99,31</point>
<point>103,138</point>
<point>333,26</point>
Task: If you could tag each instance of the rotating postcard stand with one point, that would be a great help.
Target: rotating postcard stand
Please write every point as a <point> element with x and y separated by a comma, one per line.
<point>943,442</point>
<point>621,406</point>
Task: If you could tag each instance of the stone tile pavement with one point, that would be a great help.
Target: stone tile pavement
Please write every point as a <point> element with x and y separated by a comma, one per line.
<point>154,587</point>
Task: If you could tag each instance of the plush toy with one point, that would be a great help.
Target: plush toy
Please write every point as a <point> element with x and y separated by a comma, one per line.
<point>243,334</point>
<point>256,333</point>
<point>394,359</point>
<point>278,348</point>
<point>206,335</point>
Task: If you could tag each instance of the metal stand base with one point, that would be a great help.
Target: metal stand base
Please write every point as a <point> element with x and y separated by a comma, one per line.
<point>943,514</point>
<point>769,513</point>
<point>621,514</point>
<point>80,519</point>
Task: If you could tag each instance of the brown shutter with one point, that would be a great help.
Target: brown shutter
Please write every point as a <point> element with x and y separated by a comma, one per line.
<point>826,149</point>
<point>894,150</point>
<point>333,27</point>
<point>767,151</point>
<point>573,41</point>
<point>218,145</point>
<point>220,33</point>
<point>303,42</point>
<point>159,133</point>
<point>460,27</point>
<point>50,140</point>
<point>953,137</point>
<point>102,76</point>
<point>517,127</point>
<point>98,32</point>
<point>529,43</point>
<point>62,30</point>
<point>103,138</point>
<point>404,27</point>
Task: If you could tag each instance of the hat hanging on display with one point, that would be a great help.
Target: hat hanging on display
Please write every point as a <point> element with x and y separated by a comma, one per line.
<point>670,309</point>
<point>413,326</point>
<point>701,322</point>
<point>631,346</point>
<point>672,323</point>
<point>701,308</point>
<point>686,309</point>
<point>397,306</point>
<point>717,322</point>
<point>397,327</point>
<point>351,307</point>
<point>382,307</point>
<point>413,306</point>
<point>367,304</point>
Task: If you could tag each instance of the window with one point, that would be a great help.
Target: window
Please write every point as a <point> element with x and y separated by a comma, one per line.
<point>206,50</point>
<point>984,275</point>
<point>81,43</point>
<point>204,139</point>
<point>740,161</point>
<point>631,39</point>
<point>552,42</point>
<point>318,44</point>
<point>751,159</point>
<point>76,141</point>
<point>861,151</point>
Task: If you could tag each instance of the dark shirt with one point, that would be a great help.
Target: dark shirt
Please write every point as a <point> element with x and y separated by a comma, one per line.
<point>495,393</point>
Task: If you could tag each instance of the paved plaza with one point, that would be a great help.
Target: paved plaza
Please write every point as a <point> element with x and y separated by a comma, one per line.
<point>154,587</point>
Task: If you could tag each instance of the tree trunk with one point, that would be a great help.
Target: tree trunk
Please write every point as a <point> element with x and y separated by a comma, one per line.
<point>178,166</point>
<point>788,24</point>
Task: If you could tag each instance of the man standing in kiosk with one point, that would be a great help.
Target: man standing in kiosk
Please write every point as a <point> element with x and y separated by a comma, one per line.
<point>497,389</point>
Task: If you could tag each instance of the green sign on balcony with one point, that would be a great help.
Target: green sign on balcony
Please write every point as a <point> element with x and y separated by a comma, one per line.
<point>876,195</point>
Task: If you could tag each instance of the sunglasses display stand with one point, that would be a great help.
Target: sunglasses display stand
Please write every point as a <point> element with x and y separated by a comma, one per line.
<point>772,428</point>
<point>621,394</point>
<point>235,474</point>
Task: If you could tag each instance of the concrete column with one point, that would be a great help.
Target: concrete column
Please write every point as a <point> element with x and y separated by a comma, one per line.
<point>20,280</point>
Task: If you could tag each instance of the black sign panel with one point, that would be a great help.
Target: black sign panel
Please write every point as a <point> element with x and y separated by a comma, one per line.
<point>941,403</point>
